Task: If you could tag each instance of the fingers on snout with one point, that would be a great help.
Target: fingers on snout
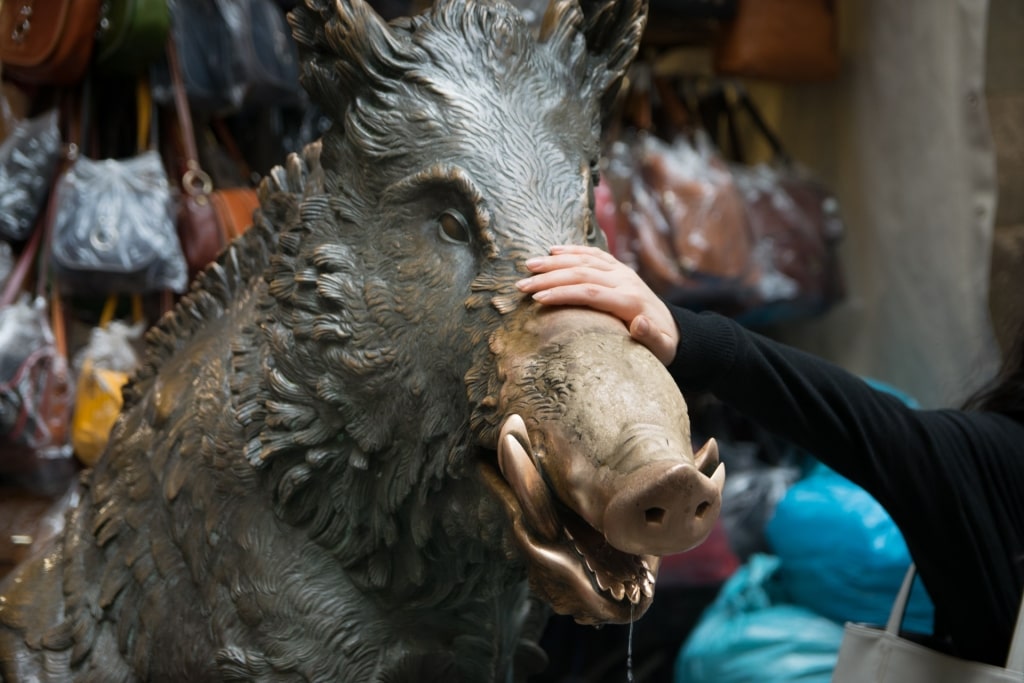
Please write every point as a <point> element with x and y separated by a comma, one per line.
<point>582,278</point>
<point>583,250</point>
<point>575,261</point>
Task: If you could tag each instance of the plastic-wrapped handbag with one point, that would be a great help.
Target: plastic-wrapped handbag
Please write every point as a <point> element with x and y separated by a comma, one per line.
<point>28,160</point>
<point>681,222</point>
<point>795,219</point>
<point>103,367</point>
<point>36,392</point>
<point>114,227</point>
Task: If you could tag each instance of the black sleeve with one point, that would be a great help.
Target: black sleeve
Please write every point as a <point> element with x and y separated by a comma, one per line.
<point>952,481</point>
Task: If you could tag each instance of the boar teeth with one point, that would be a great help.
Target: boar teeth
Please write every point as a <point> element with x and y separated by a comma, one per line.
<point>633,591</point>
<point>521,473</point>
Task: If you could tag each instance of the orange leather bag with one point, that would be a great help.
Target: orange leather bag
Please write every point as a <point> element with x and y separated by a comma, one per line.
<point>234,207</point>
<point>47,42</point>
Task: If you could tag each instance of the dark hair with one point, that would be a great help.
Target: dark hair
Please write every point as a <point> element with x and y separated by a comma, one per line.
<point>1005,393</point>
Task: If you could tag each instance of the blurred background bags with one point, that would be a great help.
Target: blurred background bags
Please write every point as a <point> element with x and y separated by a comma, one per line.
<point>704,225</point>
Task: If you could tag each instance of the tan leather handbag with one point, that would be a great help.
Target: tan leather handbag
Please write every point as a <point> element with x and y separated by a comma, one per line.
<point>47,42</point>
<point>781,40</point>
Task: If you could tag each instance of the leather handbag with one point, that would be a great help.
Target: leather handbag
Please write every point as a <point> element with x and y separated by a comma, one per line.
<point>780,40</point>
<point>207,219</point>
<point>265,57</point>
<point>132,34</point>
<point>876,655</point>
<point>203,52</point>
<point>234,207</point>
<point>47,42</point>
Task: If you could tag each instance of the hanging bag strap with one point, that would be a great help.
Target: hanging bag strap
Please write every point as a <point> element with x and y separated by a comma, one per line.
<point>195,180</point>
<point>1015,658</point>
<point>16,280</point>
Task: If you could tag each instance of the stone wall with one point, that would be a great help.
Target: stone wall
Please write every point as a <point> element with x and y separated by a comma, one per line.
<point>1005,93</point>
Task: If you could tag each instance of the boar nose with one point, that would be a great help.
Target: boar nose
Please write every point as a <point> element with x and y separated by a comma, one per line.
<point>666,507</point>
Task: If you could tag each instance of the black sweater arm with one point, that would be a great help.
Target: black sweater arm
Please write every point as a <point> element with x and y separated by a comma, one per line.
<point>948,478</point>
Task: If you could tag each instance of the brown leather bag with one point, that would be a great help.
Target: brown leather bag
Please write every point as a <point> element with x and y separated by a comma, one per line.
<point>47,42</point>
<point>781,40</point>
<point>208,219</point>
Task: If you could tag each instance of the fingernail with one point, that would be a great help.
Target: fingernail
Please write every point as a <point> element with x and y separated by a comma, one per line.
<point>521,284</point>
<point>531,262</point>
<point>541,295</point>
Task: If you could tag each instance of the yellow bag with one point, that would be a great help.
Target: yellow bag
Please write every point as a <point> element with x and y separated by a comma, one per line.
<point>98,398</point>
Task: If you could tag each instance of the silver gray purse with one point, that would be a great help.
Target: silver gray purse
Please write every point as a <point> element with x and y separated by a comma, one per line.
<point>28,161</point>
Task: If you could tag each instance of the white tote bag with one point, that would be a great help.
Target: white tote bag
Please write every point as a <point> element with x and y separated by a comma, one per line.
<point>872,655</point>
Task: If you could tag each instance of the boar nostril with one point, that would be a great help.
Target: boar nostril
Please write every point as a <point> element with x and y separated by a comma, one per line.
<point>654,515</point>
<point>701,509</point>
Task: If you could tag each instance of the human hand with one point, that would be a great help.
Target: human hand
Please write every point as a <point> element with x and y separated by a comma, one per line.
<point>586,276</point>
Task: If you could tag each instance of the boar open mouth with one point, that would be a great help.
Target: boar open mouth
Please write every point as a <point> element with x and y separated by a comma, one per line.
<point>570,563</point>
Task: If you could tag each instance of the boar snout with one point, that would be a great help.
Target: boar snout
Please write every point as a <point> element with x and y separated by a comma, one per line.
<point>666,507</point>
<point>595,449</point>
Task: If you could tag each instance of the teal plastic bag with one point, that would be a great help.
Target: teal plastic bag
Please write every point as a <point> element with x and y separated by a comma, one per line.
<point>749,634</point>
<point>841,553</point>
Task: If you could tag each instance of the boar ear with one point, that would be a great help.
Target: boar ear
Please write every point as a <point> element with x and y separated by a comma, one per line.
<point>344,48</point>
<point>612,30</point>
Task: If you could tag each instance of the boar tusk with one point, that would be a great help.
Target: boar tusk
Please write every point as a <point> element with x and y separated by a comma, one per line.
<point>706,459</point>
<point>519,470</point>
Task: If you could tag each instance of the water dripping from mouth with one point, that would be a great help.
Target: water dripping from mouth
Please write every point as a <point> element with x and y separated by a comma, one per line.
<point>629,648</point>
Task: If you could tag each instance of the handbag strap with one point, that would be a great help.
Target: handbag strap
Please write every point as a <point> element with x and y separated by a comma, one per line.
<point>144,122</point>
<point>16,279</point>
<point>110,308</point>
<point>6,113</point>
<point>1015,658</point>
<point>195,181</point>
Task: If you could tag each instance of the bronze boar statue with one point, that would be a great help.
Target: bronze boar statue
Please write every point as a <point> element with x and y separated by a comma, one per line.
<point>355,452</point>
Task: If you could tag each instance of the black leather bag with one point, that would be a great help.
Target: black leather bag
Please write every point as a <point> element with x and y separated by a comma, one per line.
<point>205,60</point>
<point>232,55</point>
<point>265,58</point>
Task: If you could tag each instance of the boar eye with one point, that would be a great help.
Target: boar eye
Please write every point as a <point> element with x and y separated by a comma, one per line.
<point>453,227</point>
